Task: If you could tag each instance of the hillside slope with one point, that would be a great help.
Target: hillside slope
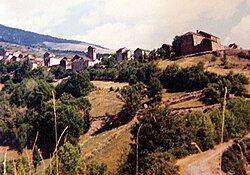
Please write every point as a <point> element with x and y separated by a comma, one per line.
<point>22,37</point>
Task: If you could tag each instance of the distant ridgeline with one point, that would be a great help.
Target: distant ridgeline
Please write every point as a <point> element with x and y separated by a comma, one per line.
<point>23,37</point>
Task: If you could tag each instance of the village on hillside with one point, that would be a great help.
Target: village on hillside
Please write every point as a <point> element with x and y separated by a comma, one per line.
<point>188,44</point>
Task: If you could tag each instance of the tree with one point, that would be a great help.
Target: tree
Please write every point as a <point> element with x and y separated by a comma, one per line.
<point>22,72</point>
<point>59,72</point>
<point>36,157</point>
<point>225,61</point>
<point>3,68</point>
<point>240,108</point>
<point>133,96</point>
<point>155,89</point>
<point>132,79</point>
<point>77,85</point>
<point>200,129</point>
<point>95,169</point>
<point>22,135</point>
<point>235,84</point>
<point>176,45</point>
<point>159,163</point>
<point>31,92</point>
<point>194,78</point>
<point>69,159</point>
<point>157,136</point>
<point>67,115</point>
<point>213,92</point>
<point>141,75</point>
<point>232,162</point>
<point>70,162</point>
<point>110,62</point>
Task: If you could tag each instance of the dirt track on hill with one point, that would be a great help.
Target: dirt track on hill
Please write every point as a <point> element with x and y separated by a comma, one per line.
<point>205,163</point>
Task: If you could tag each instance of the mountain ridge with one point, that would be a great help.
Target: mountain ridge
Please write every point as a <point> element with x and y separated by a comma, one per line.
<point>29,38</point>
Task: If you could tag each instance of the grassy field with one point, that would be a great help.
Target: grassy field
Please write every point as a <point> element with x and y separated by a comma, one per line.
<point>168,95</point>
<point>184,62</point>
<point>108,84</point>
<point>107,147</point>
<point>187,104</point>
<point>104,102</point>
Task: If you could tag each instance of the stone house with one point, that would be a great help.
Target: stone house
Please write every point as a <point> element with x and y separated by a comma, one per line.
<point>80,64</point>
<point>191,43</point>
<point>92,53</point>
<point>76,57</point>
<point>50,60</point>
<point>124,54</point>
<point>66,63</point>
<point>141,53</point>
<point>2,52</point>
<point>18,54</point>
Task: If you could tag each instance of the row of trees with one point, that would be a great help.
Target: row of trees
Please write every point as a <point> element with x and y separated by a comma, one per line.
<point>127,71</point>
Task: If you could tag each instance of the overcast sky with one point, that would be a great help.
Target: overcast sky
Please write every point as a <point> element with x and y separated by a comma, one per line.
<point>132,23</point>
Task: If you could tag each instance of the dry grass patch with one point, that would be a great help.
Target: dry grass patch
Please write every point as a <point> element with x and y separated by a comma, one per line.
<point>170,95</point>
<point>11,153</point>
<point>185,61</point>
<point>104,102</point>
<point>108,84</point>
<point>1,86</point>
<point>222,71</point>
<point>107,147</point>
<point>187,104</point>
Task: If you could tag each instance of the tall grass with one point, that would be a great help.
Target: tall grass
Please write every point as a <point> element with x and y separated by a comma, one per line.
<point>55,127</point>
<point>222,125</point>
<point>30,157</point>
<point>4,162</point>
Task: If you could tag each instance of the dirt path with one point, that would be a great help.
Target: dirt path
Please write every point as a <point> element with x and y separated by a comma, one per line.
<point>205,163</point>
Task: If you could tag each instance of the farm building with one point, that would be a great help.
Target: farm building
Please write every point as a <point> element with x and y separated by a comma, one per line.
<point>124,54</point>
<point>191,43</point>
<point>141,53</point>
